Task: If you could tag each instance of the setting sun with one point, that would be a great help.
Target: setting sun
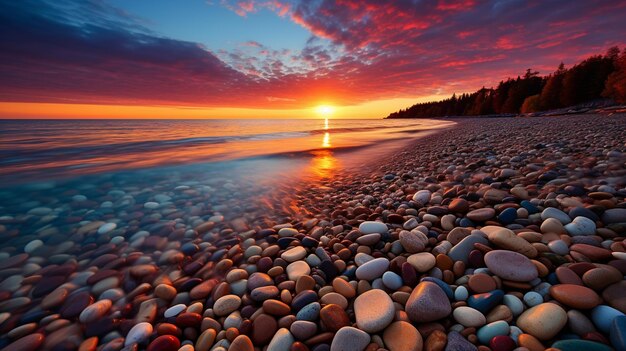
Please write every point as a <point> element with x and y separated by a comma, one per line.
<point>325,110</point>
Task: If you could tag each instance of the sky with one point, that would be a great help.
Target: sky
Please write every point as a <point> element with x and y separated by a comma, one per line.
<point>280,58</point>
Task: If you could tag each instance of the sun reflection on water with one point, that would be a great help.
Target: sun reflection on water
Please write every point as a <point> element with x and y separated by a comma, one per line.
<point>323,164</point>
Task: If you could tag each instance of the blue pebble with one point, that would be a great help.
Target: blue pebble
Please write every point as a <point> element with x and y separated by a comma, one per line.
<point>603,315</point>
<point>466,222</point>
<point>580,345</point>
<point>443,285</point>
<point>508,216</point>
<point>309,312</point>
<point>485,302</point>
<point>461,293</point>
<point>532,298</point>
<point>491,330</point>
<point>618,333</point>
<point>392,280</point>
<point>529,206</point>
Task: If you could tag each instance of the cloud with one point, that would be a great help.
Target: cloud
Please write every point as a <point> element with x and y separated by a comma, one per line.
<point>359,50</point>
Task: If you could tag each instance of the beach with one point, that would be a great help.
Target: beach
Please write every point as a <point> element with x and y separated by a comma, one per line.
<point>482,234</point>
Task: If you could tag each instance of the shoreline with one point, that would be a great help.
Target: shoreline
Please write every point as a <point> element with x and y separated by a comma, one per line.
<point>511,234</point>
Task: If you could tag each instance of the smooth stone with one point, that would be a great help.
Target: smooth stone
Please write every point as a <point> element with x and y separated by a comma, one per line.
<point>257,280</point>
<point>580,345</point>
<point>281,341</point>
<point>265,292</point>
<point>205,340</point>
<point>614,295</point>
<point>344,288</point>
<point>138,333</point>
<point>369,227</point>
<point>303,298</point>
<point>334,317</point>
<point>559,247</point>
<point>32,246</point>
<point>491,330</point>
<point>174,310</point>
<point>502,343</point>
<point>507,239</point>
<point>369,239</point>
<point>226,304</point>
<point>460,251</point>
<point>427,303</point>
<point>552,212</point>
<point>276,308</point>
<point>295,254</point>
<point>241,343</point>
<point>422,262</point>
<point>533,298</point>
<point>263,329</point>
<point>392,280</point>
<point>584,212</point>
<point>31,342</point>
<point>303,330</point>
<point>287,232</point>
<point>614,215</point>
<point>297,269</point>
<point>163,343</point>
<point>95,311</point>
<point>461,293</point>
<point>486,301</point>
<point>581,226</point>
<point>350,339</point>
<point>508,216</point>
<point>511,265</point>
<point>402,336</point>
<point>458,205</point>
<point>456,342</point>
<point>422,197</point>
<point>106,227</point>
<point>481,283</point>
<point>575,296</point>
<point>412,242</point>
<point>469,317</point>
<point>374,310</point>
<point>603,315</point>
<point>309,312</point>
<point>372,269</point>
<point>552,225</point>
<point>617,333</point>
<point>543,321</point>
<point>481,214</point>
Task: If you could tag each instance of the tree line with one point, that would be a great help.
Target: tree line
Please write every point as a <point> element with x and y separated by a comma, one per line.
<point>597,77</point>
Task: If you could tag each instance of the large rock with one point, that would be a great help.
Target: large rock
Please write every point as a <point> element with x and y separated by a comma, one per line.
<point>543,321</point>
<point>427,303</point>
<point>511,265</point>
<point>374,310</point>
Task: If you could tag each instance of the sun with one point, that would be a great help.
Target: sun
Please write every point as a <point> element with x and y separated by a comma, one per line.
<point>324,110</point>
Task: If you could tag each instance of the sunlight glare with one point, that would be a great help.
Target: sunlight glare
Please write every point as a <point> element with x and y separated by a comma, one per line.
<point>325,110</point>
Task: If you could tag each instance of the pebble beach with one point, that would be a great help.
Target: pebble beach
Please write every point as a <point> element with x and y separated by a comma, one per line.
<point>493,234</point>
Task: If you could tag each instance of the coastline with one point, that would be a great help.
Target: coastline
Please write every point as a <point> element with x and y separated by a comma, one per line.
<point>346,264</point>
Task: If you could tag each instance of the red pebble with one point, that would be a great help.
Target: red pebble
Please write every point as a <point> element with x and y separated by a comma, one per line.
<point>502,343</point>
<point>164,343</point>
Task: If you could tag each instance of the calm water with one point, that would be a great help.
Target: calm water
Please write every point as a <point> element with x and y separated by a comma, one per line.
<point>45,150</point>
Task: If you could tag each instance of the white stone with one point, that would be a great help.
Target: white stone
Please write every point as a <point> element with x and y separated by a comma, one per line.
<point>297,269</point>
<point>106,227</point>
<point>422,196</point>
<point>138,333</point>
<point>369,227</point>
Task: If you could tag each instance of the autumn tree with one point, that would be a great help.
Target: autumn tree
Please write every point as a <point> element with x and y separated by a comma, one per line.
<point>615,87</point>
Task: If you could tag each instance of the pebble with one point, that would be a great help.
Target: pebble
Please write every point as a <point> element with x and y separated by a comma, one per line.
<point>372,269</point>
<point>618,333</point>
<point>481,214</point>
<point>575,296</point>
<point>374,310</point>
<point>456,342</point>
<point>281,341</point>
<point>603,315</point>
<point>106,228</point>
<point>350,339</point>
<point>138,333</point>
<point>507,239</point>
<point>402,336</point>
<point>581,226</point>
<point>226,304</point>
<point>297,269</point>
<point>30,342</point>
<point>427,303</point>
<point>295,254</point>
<point>491,330</point>
<point>551,212</point>
<point>422,262</point>
<point>511,265</point>
<point>369,227</point>
<point>543,321</point>
<point>95,311</point>
<point>469,317</point>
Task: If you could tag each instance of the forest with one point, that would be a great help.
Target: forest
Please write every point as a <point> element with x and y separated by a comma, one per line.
<point>599,77</point>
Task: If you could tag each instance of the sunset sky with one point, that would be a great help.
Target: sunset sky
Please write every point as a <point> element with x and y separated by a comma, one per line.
<point>279,58</point>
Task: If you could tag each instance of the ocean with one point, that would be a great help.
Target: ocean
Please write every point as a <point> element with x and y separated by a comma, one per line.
<point>34,151</point>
